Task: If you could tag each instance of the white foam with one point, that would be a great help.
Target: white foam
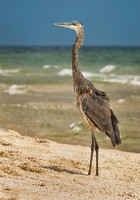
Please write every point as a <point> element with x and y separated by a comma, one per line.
<point>14,89</point>
<point>107,68</point>
<point>112,78</point>
<point>135,81</point>
<point>8,71</point>
<point>74,127</point>
<point>68,72</point>
<point>130,79</point>
<point>115,80</point>
<point>121,100</point>
<point>88,74</point>
<point>46,66</point>
<point>49,66</point>
<point>65,72</point>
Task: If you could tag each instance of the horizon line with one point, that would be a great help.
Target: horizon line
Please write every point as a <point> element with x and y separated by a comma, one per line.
<point>37,45</point>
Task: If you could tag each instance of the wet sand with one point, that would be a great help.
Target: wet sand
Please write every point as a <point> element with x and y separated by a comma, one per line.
<point>40,169</point>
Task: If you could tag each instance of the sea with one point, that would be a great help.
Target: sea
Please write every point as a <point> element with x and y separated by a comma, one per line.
<point>37,97</point>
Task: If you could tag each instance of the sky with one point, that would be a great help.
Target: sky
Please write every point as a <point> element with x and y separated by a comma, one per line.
<point>106,22</point>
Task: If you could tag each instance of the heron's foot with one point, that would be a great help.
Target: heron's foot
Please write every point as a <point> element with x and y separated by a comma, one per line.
<point>97,174</point>
<point>89,173</point>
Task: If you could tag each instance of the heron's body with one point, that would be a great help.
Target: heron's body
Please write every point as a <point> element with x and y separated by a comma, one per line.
<point>92,103</point>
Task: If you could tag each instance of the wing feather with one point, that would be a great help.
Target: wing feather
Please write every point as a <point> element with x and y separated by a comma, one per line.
<point>97,110</point>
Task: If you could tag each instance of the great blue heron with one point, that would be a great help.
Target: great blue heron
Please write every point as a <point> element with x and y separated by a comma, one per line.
<point>92,103</point>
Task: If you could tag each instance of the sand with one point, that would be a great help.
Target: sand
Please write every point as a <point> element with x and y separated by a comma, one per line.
<point>39,169</point>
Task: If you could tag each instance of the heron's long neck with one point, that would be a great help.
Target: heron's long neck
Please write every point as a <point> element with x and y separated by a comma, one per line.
<point>75,63</point>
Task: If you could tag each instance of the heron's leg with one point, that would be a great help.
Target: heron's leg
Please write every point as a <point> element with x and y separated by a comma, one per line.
<point>92,150</point>
<point>97,153</point>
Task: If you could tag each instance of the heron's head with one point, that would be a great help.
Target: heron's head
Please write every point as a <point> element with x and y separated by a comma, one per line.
<point>76,25</point>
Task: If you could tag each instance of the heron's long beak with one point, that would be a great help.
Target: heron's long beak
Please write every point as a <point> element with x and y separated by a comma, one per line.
<point>66,24</point>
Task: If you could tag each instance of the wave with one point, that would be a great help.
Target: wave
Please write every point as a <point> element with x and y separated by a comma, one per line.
<point>74,127</point>
<point>88,74</point>
<point>14,89</point>
<point>103,77</point>
<point>130,79</point>
<point>8,71</point>
<point>115,80</point>
<point>68,72</point>
<point>107,68</point>
<point>46,66</point>
<point>135,81</point>
<point>65,72</point>
<point>121,100</point>
<point>49,66</point>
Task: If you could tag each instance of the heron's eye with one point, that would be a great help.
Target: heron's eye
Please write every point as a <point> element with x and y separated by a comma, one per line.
<point>74,23</point>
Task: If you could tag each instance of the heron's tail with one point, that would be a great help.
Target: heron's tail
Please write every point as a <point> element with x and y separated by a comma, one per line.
<point>115,136</point>
<point>116,133</point>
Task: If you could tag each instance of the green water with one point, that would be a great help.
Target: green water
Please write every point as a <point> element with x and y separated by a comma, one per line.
<point>37,98</point>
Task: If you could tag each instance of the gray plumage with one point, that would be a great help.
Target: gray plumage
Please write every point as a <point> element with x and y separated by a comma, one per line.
<point>92,103</point>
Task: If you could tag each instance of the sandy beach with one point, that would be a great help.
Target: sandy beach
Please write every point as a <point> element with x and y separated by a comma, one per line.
<point>40,169</point>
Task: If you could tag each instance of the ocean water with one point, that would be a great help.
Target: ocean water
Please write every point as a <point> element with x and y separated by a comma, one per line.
<point>37,98</point>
